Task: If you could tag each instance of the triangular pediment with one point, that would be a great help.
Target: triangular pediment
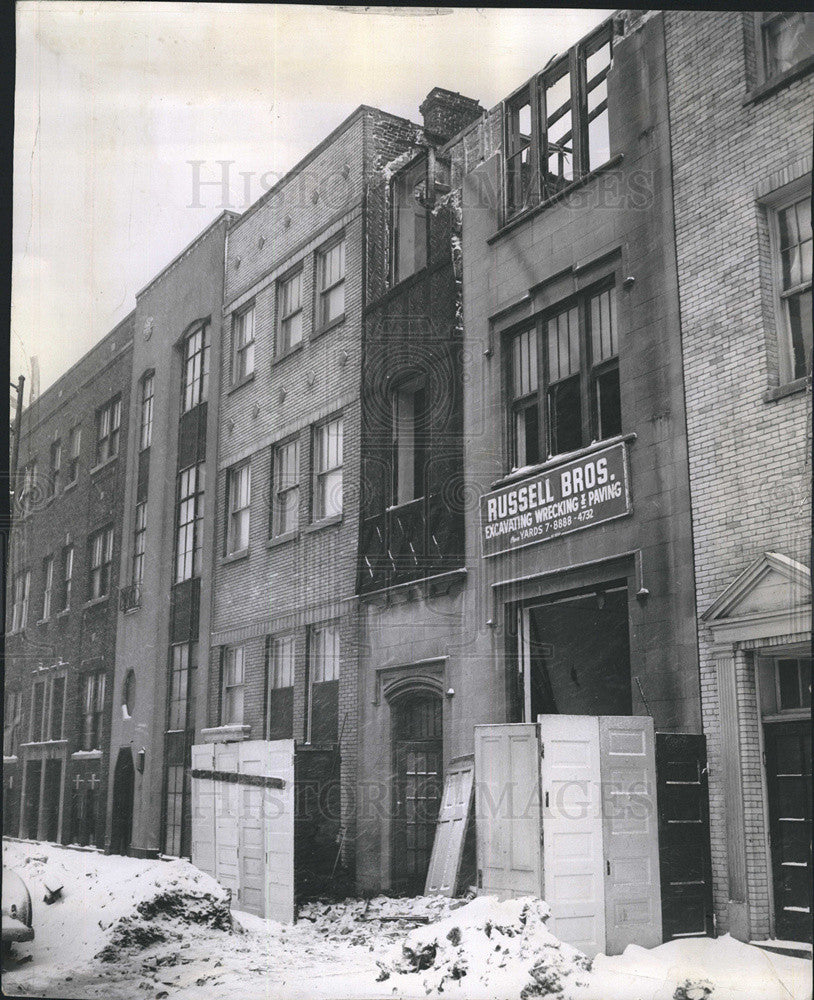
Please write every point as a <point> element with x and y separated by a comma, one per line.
<point>773,583</point>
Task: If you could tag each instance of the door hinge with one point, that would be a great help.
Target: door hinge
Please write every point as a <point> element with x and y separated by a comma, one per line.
<point>480,878</point>
<point>607,862</point>
<point>546,800</point>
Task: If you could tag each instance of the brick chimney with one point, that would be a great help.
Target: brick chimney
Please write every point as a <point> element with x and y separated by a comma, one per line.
<point>446,113</point>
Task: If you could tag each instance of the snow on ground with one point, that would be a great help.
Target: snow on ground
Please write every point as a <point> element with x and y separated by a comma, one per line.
<point>166,933</point>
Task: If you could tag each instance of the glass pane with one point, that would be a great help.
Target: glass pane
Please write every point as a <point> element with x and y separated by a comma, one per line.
<point>798,313</point>
<point>608,403</point>
<point>789,683</point>
<point>565,417</point>
<point>598,141</point>
<point>788,38</point>
<point>597,61</point>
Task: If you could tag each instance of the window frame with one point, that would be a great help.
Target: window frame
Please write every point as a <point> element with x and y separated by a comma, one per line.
<point>418,439</point>
<point>243,348</point>
<point>139,545</point>
<point>20,600</point>
<point>196,499</point>
<point>312,631</point>
<point>12,721</point>
<point>55,463</point>
<point>773,205</point>
<point>195,383</point>
<point>67,565</point>
<point>323,291</point>
<point>48,586</point>
<point>75,444</point>
<point>235,514</point>
<point>801,706</point>
<point>103,570</point>
<point>292,441</point>
<point>229,685</point>
<point>92,716</point>
<point>319,474</point>
<point>272,642</point>
<point>761,20</point>
<point>396,276</point>
<point>146,404</point>
<point>284,343</point>
<point>108,430</point>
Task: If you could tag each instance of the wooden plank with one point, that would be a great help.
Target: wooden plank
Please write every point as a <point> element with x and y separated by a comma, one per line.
<point>451,827</point>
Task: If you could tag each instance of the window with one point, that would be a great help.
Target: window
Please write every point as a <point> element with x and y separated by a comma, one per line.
<point>22,589</point>
<point>323,687</point>
<point>196,368</point>
<point>243,344</point>
<point>48,585</point>
<point>233,683</point>
<point>76,447</point>
<point>129,695</point>
<point>409,444</point>
<point>409,245</point>
<point>48,709</point>
<point>280,688</point>
<point>12,721</point>
<point>146,423</point>
<point>30,493</point>
<point>557,132</point>
<point>285,498</point>
<point>792,244</point>
<point>36,732</point>
<point>793,680</point>
<point>56,714</point>
<point>573,353</point>
<point>101,562</point>
<point>331,277</point>
<point>184,658</point>
<point>328,469</point>
<point>189,538</point>
<point>93,702</point>
<point>108,420</point>
<point>239,498</point>
<point>67,576</point>
<point>289,291</point>
<point>180,727</point>
<point>139,545</point>
<point>786,38</point>
<point>56,464</point>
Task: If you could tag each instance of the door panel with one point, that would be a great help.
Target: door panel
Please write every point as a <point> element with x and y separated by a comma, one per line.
<point>453,818</point>
<point>507,809</point>
<point>572,830</point>
<point>629,820</point>
<point>684,849</point>
<point>788,776</point>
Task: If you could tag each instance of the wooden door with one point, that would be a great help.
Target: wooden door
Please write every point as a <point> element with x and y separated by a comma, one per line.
<point>788,776</point>
<point>630,833</point>
<point>572,830</point>
<point>507,809</point>
<point>684,848</point>
<point>123,789</point>
<point>418,786</point>
<point>451,828</point>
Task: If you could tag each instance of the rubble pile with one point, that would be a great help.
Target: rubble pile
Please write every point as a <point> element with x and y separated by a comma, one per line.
<point>504,948</point>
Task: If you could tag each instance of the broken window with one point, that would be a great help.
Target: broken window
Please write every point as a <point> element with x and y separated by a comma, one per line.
<point>792,243</point>
<point>786,39</point>
<point>409,442</point>
<point>557,126</point>
<point>409,188</point>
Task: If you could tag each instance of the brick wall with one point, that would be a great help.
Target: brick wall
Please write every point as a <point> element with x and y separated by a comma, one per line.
<point>749,454</point>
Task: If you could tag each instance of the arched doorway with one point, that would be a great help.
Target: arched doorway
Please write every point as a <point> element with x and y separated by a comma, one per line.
<point>123,786</point>
<point>418,779</point>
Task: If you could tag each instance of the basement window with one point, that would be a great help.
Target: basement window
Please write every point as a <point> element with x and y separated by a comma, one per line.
<point>556,126</point>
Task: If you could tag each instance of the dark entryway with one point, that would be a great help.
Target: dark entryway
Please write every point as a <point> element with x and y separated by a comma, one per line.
<point>788,776</point>
<point>31,800</point>
<point>579,654</point>
<point>418,785</point>
<point>123,787</point>
<point>684,847</point>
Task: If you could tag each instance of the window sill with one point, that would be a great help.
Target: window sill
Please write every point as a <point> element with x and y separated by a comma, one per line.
<point>95,601</point>
<point>279,358</point>
<point>326,522</point>
<point>235,556</point>
<point>770,87</point>
<point>289,536</point>
<point>239,385</point>
<point>44,621</point>
<point>229,733</point>
<point>330,326</point>
<point>529,213</point>
<point>103,465</point>
<point>63,613</point>
<point>777,392</point>
<point>86,755</point>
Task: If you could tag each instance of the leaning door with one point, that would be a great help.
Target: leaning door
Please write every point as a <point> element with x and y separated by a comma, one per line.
<point>788,776</point>
<point>572,830</point>
<point>630,833</point>
<point>507,809</point>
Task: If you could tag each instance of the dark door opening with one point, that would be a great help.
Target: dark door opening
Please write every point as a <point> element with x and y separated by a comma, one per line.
<point>31,803</point>
<point>578,654</point>
<point>123,787</point>
<point>51,799</point>
<point>418,786</point>
<point>788,776</point>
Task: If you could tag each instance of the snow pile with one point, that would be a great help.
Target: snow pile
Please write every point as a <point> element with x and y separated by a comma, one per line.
<point>110,904</point>
<point>488,948</point>
<point>696,968</point>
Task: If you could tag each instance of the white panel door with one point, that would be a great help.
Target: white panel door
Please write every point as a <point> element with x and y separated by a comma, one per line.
<point>572,830</point>
<point>507,809</point>
<point>203,810</point>
<point>227,821</point>
<point>278,826</point>
<point>450,827</point>
<point>632,880</point>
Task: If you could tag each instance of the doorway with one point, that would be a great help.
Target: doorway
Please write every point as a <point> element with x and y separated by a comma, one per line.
<point>123,787</point>
<point>417,788</point>
<point>788,777</point>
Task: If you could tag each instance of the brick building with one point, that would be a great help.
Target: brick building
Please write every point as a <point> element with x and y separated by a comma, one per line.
<point>167,522</point>
<point>283,656</point>
<point>742,190</point>
<point>65,551</point>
